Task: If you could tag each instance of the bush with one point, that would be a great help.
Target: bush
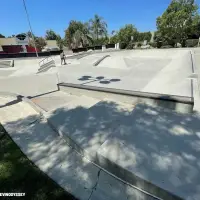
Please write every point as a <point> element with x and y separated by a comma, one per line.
<point>153,44</point>
<point>130,45</point>
<point>139,44</point>
<point>192,42</point>
<point>123,45</point>
<point>114,39</point>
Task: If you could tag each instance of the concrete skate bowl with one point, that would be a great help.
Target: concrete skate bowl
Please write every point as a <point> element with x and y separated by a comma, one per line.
<point>164,73</point>
<point>142,59</point>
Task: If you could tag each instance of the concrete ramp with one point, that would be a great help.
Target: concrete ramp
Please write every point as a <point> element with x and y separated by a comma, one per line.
<point>143,145</point>
<point>52,155</point>
<point>168,79</point>
<point>109,133</point>
<point>114,62</point>
<point>148,147</point>
<point>53,100</point>
<point>89,125</point>
<point>90,59</point>
<point>6,63</point>
<point>30,85</point>
<point>26,66</point>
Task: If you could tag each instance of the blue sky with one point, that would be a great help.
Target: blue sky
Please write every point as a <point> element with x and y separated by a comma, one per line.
<point>56,14</point>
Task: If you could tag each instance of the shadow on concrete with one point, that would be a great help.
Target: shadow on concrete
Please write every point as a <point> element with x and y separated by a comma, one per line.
<point>158,145</point>
<point>165,144</point>
<point>39,95</point>
<point>84,78</point>
<point>18,174</point>
<point>169,102</point>
<point>15,101</point>
<point>100,79</point>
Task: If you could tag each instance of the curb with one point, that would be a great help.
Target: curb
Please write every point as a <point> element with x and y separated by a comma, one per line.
<point>178,103</point>
<point>101,59</point>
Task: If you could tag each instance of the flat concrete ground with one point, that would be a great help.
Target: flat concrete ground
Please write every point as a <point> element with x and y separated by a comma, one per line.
<point>155,71</point>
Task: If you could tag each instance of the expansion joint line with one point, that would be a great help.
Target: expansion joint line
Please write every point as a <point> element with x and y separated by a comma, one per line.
<point>95,186</point>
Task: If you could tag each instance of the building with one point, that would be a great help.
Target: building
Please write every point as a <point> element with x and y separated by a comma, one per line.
<point>51,45</point>
<point>20,43</point>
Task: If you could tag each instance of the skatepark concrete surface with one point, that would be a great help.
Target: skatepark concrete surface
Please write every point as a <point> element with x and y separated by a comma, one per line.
<point>60,162</point>
<point>156,71</point>
<point>106,146</point>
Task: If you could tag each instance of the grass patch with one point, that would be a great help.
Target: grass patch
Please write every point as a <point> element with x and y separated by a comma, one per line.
<point>20,175</point>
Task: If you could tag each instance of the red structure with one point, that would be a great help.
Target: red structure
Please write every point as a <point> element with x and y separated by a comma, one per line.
<point>17,49</point>
<point>31,49</point>
<point>12,48</point>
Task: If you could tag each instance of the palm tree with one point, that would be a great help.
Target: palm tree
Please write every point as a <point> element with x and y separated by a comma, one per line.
<point>81,37</point>
<point>77,35</point>
<point>98,26</point>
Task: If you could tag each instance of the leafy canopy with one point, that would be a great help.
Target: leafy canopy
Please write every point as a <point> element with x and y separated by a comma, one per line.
<point>39,42</point>
<point>2,36</point>
<point>77,34</point>
<point>127,33</point>
<point>98,27</point>
<point>178,21</point>
<point>50,35</point>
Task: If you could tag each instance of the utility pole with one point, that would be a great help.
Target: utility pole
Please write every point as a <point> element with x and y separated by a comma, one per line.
<point>30,27</point>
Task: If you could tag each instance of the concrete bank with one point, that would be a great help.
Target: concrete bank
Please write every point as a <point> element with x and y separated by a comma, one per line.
<point>54,157</point>
<point>177,103</point>
<point>112,135</point>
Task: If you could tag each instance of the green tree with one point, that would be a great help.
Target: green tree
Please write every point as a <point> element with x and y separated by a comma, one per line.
<point>98,27</point>
<point>50,35</point>
<point>114,39</point>
<point>196,28</point>
<point>158,39</point>
<point>178,21</point>
<point>126,33</point>
<point>2,36</point>
<point>60,42</point>
<point>144,36</point>
<point>101,41</point>
<point>77,35</point>
<point>39,42</point>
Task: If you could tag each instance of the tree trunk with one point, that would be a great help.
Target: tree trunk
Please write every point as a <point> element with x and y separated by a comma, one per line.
<point>183,42</point>
<point>97,34</point>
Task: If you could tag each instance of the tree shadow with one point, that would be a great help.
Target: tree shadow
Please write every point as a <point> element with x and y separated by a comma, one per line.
<point>100,79</point>
<point>19,175</point>
<point>84,78</point>
<point>157,145</point>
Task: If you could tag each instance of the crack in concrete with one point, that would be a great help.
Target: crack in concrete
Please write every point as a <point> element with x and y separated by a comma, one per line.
<point>95,185</point>
<point>35,121</point>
